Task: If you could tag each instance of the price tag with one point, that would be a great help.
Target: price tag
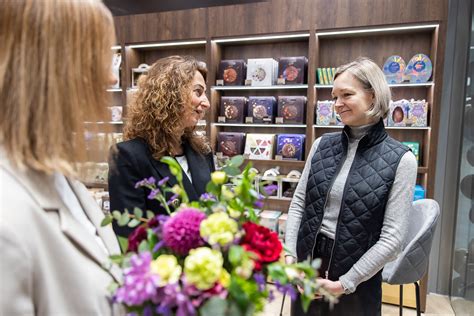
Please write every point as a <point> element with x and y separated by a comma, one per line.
<point>219,82</point>
<point>279,120</point>
<point>281,81</point>
<point>248,82</point>
<point>249,119</point>
<point>221,119</point>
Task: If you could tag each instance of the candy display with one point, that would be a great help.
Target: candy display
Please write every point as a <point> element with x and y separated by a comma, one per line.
<point>394,69</point>
<point>325,113</point>
<point>290,146</point>
<point>233,109</point>
<point>293,69</point>
<point>292,109</point>
<point>419,69</point>
<point>230,144</point>
<point>262,109</point>
<point>418,113</point>
<point>259,146</point>
<point>325,75</point>
<point>232,72</point>
<point>262,71</point>
<point>398,113</point>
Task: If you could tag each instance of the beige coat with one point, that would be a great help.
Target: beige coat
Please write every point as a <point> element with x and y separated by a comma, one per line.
<point>49,263</point>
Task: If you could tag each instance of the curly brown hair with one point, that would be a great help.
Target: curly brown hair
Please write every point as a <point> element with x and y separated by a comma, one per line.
<point>158,107</point>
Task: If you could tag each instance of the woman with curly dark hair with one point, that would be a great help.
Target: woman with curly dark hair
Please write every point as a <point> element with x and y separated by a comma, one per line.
<point>161,121</point>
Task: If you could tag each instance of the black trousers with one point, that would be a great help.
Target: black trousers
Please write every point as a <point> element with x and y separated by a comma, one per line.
<point>365,301</point>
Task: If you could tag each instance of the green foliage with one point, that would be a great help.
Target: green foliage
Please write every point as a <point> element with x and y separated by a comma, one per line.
<point>123,242</point>
<point>138,213</point>
<point>107,220</point>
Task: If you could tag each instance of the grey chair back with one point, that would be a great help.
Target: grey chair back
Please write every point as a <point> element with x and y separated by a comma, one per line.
<point>411,264</point>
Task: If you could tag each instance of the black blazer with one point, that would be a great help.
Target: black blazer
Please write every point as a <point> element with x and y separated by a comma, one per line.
<point>133,161</point>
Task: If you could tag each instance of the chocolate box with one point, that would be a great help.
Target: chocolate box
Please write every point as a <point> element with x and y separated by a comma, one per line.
<point>293,69</point>
<point>233,72</point>
<point>325,114</point>
<point>290,146</point>
<point>262,109</point>
<point>230,144</point>
<point>233,109</point>
<point>259,146</point>
<point>399,111</point>
<point>417,113</point>
<point>292,109</point>
<point>262,71</point>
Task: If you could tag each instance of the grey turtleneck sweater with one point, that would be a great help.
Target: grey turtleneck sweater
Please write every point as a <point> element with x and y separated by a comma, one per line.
<point>395,220</point>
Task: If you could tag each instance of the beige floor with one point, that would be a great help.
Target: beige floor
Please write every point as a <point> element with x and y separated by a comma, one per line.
<point>436,305</point>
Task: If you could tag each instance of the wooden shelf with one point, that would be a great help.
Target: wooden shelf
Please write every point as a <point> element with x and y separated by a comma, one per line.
<point>422,169</point>
<point>103,123</point>
<point>249,88</point>
<point>386,127</point>
<point>249,125</point>
<point>295,163</point>
<point>391,85</point>
<point>115,90</point>
<point>98,185</point>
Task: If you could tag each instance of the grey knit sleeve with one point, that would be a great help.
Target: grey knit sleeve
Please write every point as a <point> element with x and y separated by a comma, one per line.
<point>296,210</point>
<point>394,226</point>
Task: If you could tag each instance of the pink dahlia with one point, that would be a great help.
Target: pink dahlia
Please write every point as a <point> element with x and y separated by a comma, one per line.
<point>181,231</point>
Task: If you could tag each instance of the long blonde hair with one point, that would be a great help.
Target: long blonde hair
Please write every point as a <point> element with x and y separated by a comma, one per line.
<point>55,58</point>
<point>157,110</point>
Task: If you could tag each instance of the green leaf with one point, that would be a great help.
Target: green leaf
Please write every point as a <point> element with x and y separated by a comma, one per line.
<point>150,214</point>
<point>143,246</point>
<point>175,167</point>
<point>134,223</point>
<point>138,213</point>
<point>214,307</point>
<point>237,161</point>
<point>107,220</point>
<point>235,255</point>
<point>116,259</point>
<point>231,170</point>
<point>112,287</point>
<point>123,242</point>
<point>117,215</point>
<point>124,219</point>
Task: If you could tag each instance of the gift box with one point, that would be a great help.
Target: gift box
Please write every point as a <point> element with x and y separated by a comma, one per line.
<point>115,113</point>
<point>230,144</point>
<point>282,225</point>
<point>417,113</point>
<point>262,71</point>
<point>290,146</point>
<point>415,149</point>
<point>116,61</point>
<point>232,72</point>
<point>292,109</point>
<point>293,69</point>
<point>262,109</point>
<point>399,113</point>
<point>259,146</point>
<point>137,72</point>
<point>233,109</point>
<point>325,114</point>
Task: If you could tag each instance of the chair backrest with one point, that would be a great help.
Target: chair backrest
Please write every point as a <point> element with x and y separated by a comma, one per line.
<point>411,264</point>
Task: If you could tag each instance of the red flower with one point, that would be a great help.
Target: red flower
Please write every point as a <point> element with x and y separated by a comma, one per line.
<point>263,242</point>
<point>136,237</point>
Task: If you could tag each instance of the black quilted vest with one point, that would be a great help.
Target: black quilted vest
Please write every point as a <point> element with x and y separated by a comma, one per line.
<point>364,198</point>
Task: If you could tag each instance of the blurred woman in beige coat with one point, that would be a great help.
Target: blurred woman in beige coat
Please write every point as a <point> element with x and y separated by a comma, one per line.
<point>55,61</point>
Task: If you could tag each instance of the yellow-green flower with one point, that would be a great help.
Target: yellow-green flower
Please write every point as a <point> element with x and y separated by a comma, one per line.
<point>224,278</point>
<point>245,269</point>
<point>167,268</point>
<point>218,177</point>
<point>218,228</point>
<point>203,267</point>
<point>227,193</point>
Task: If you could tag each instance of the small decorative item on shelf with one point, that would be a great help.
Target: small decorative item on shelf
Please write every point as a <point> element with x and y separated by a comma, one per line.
<point>115,113</point>
<point>394,69</point>
<point>291,109</point>
<point>418,113</point>
<point>269,182</point>
<point>269,219</point>
<point>326,75</point>
<point>93,172</point>
<point>209,257</point>
<point>232,109</point>
<point>290,146</point>
<point>232,72</point>
<point>137,72</point>
<point>415,149</point>
<point>261,109</point>
<point>262,71</point>
<point>116,61</point>
<point>325,113</point>
<point>282,226</point>
<point>419,192</point>
<point>292,70</point>
<point>230,144</point>
<point>399,111</point>
<point>259,146</point>
<point>419,69</point>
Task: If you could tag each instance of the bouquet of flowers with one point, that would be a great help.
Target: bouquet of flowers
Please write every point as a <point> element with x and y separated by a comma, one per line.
<point>209,257</point>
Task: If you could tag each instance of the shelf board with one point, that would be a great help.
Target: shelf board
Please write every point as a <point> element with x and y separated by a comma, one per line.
<point>376,31</point>
<point>295,163</point>
<point>99,185</point>
<point>422,169</point>
<point>114,90</point>
<point>262,38</point>
<point>101,123</point>
<point>260,125</point>
<point>164,45</point>
<point>391,85</point>
<point>386,127</point>
<point>244,88</point>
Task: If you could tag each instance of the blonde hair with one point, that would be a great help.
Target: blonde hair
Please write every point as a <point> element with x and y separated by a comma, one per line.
<point>373,80</point>
<point>55,58</point>
<point>157,110</point>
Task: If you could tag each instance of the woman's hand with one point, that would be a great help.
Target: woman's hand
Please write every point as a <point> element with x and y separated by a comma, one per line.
<point>290,259</point>
<point>334,287</point>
